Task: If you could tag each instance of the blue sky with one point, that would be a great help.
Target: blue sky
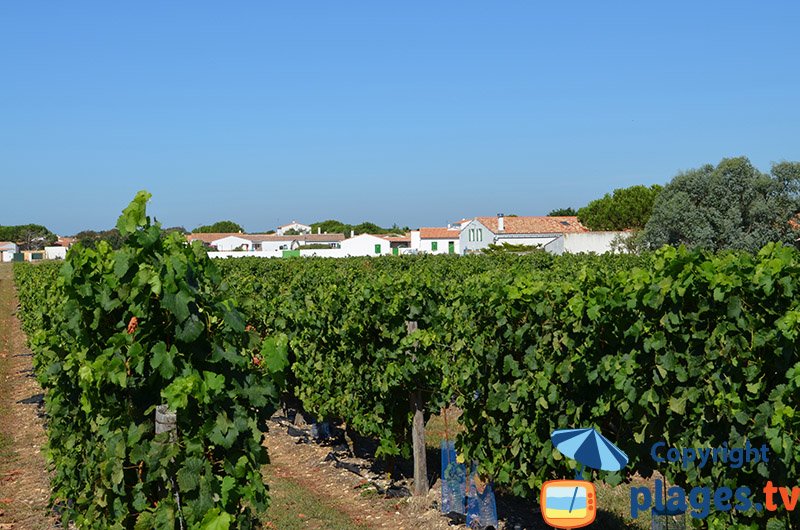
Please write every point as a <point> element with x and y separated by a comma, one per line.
<point>411,112</point>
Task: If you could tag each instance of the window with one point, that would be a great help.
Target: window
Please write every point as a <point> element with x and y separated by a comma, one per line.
<point>480,234</point>
<point>435,246</point>
<point>471,234</point>
<point>377,248</point>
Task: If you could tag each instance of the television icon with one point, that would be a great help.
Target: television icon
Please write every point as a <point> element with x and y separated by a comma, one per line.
<point>568,503</point>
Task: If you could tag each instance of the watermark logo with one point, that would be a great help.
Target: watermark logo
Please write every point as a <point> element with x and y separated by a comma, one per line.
<point>568,503</point>
<point>699,501</point>
<point>573,503</point>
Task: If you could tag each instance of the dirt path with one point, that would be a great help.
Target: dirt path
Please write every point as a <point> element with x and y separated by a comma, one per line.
<point>24,484</point>
<point>310,466</point>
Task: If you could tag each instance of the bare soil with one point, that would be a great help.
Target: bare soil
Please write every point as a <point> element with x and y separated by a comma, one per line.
<point>350,484</point>
<point>344,472</point>
<point>24,481</point>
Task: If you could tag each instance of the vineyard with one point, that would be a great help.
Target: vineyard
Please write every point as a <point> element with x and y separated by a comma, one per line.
<point>692,348</point>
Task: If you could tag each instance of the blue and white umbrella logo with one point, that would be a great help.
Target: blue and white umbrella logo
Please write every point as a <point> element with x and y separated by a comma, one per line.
<point>589,448</point>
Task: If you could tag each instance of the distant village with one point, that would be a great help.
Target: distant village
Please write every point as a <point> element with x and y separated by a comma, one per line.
<point>554,234</point>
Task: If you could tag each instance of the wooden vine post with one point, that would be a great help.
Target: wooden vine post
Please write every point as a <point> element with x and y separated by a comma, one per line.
<point>421,485</point>
<point>167,421</point>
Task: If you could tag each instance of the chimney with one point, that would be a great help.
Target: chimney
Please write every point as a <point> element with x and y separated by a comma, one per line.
<point>319,230</point>
<point>501,224</point>
<point>352,233</point>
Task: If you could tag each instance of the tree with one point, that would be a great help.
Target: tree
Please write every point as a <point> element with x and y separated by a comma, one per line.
<point>563,212</point>
<point>90,238</point>
<point>332,226</point>
<point>368,228</point>
<point>626,208</point>
<point>220,227</point>
<point>28,237</point>
<point>731,206</point>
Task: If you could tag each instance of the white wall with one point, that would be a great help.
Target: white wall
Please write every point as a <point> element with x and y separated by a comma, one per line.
<point>242,254</point>
<point>544,241</point>
<point>55,252</point>
<point>229,243</point>
<point>364,245</point>
<point>415,240</point>
<point>442,246</point>
<point>269,246</point>
<point>323,253</point>
<point>598,242</point>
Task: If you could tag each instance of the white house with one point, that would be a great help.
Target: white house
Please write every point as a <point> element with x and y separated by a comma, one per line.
<point>222,242</point>
<point>276,242</point>
<point>207,238</point>
<point>65,242</point>
<point>299,228</point>
<point>366,245</point>
<point>55,252</point>
<point>436,240</point>
<point>536,231</point>
<point>228,243</point>
<point>7,250</point>
<point>399,244</point>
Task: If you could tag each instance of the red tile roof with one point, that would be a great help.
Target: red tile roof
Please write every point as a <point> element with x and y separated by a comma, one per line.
<point>535,225</point>
<point>438,233</point>
<point>212,236</point>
